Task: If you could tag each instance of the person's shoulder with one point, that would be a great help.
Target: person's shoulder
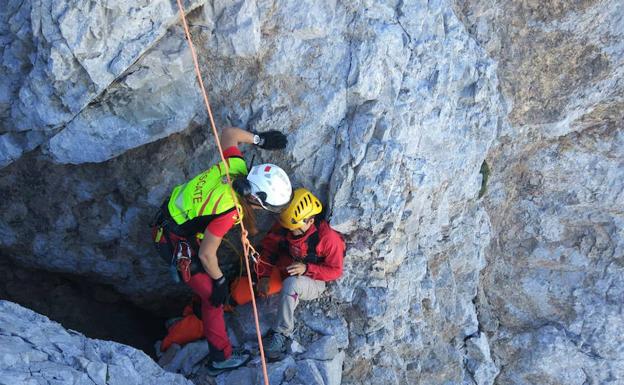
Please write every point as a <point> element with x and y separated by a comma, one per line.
<point>278,229</point>
<point>222,223</point>
<point>326,231</point>
<point>232,152</point>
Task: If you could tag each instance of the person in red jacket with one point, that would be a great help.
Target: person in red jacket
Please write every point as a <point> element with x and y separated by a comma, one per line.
<point>308,253</point>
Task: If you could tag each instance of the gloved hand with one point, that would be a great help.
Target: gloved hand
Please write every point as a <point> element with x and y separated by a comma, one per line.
<point>219,291</point>
<point>272,140</point>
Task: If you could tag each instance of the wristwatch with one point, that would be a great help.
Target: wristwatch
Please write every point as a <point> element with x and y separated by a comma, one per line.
<point>256,139</point>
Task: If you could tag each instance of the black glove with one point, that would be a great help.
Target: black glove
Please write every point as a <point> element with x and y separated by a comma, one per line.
<point>272,140</point>
<point>219,291</point>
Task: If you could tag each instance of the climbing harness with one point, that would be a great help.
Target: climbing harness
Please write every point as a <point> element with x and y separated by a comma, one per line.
<point>183,256</point>
<point>247,247</point>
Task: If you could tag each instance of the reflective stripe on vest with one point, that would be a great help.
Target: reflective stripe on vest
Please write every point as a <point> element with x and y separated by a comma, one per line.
<point>206,194</point>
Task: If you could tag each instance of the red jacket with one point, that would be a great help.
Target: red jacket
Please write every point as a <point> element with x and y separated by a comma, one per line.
<point>281,248</point>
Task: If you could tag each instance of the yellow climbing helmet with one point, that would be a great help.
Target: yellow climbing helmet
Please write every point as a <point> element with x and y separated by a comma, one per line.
<point>303,205</point>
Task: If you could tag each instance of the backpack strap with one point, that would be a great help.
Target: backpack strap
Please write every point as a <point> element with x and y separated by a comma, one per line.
<point>312,242</point>
<point>282,246</point>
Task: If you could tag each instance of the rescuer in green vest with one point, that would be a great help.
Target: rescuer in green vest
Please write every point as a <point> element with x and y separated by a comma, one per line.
<point>206,205</point>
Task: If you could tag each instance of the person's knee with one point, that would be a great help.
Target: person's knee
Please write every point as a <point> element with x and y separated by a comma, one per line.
<point>289,285</point>
<point>202,286</point>
<point>204,297</point>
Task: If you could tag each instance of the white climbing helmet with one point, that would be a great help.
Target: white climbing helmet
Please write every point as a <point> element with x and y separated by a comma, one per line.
<point>270,186</point>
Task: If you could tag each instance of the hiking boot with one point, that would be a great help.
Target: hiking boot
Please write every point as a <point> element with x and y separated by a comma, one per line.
<point>275,347</point>
<point>235,361</point>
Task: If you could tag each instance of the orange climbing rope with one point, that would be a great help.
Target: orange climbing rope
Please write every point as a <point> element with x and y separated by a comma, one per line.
<point>248,249</point>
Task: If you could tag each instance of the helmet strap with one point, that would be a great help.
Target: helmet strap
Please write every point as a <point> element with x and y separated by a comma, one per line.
<point>257,200</point>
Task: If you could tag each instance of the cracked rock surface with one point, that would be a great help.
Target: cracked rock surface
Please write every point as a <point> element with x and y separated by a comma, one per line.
<point>471,152</point>
<point>35,350</point>
<point>550,296</point>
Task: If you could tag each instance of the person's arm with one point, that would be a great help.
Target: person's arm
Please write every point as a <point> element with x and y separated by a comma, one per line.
<point>233,136</point>
<point>330,269</point>
<point>269,140</point>
<point>208,255</point>
<point>214,233</point>
<point>268,255</point>
<point>208,258</point>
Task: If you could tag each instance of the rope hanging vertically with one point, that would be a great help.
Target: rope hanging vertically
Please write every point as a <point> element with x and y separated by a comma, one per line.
<point>247,247</point>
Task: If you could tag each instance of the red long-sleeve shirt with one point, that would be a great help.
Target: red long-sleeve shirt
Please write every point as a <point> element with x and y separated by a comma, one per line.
<point>281,248</point>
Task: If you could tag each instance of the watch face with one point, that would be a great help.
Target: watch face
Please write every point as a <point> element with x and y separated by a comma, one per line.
<point>256,139</point>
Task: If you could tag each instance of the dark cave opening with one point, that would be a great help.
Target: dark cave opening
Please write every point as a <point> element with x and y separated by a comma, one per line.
<point>95,310</point>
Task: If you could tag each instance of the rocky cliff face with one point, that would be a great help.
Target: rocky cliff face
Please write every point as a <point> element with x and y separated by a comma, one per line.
<point>35,350</point>
<point>391,109</point>
<point>551,292</point>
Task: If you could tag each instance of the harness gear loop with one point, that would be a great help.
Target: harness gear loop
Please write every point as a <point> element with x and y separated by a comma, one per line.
<point>183,260</point>
<point>245,241</point>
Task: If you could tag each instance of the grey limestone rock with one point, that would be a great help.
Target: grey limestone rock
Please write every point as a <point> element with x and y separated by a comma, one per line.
<point>393,110</point>
<point>276,371</point>
<point>168,356</point>
<point>308,373</point>
<point>67,54</point>
<point>242,376</point>
<point>331,370</point>
<point>136,109</point>
<point>373,103</point>
<point>241,322</point>
<point>295,347</point>
<point>554,193</point>
<point>336,327</point>
<point>548,356</point>
<point>186,358</point>
<point>323,349</point>
<point>34,349</point>
<point>479,361</point>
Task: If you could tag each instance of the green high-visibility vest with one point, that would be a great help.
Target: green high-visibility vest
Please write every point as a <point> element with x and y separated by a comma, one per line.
<point>206,194</point>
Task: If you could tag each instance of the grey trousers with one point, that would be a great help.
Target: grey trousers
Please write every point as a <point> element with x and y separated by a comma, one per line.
<point>295,289</point>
